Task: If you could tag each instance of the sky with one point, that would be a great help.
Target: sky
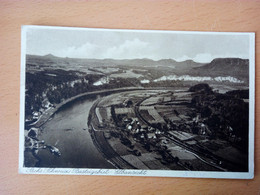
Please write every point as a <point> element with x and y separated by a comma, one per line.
<point>116,44</point>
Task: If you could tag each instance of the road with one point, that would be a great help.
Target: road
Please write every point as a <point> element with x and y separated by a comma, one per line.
<point>101,142</point>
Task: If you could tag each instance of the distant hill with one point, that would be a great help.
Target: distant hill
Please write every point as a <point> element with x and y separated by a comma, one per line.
<point>235,67</point>
<point>49,56</point>
<point>51,59</point>
<point>226,64</point>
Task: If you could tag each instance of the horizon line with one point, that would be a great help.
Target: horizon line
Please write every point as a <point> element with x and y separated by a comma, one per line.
<point>137,58</point>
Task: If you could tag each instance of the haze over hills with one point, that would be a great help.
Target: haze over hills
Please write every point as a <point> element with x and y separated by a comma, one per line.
<point>234,67</point>
<point>111,62</point>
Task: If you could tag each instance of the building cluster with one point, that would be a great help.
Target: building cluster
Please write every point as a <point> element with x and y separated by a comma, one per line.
<point>46,105</point>
<point>133,127</point>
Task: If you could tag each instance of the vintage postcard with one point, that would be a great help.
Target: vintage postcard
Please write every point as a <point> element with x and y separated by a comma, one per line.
<point>137,102</point>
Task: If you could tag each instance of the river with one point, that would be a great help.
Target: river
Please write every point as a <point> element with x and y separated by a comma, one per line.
<point>68,131</point>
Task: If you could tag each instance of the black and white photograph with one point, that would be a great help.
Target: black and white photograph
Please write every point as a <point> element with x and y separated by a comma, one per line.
<point>137,102</point>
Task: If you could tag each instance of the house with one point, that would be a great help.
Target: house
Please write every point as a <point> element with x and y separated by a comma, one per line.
<point>151,136</point>
<point>46,104</point>
<point>36,115</point>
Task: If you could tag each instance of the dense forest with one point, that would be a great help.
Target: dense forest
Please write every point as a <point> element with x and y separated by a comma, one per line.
<point>226,115</point>
<point>54,86</point>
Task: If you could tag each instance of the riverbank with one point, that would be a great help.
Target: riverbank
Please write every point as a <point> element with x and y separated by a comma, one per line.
<point>102,145</point>
<point>50,112</point>
<point>111,143</point>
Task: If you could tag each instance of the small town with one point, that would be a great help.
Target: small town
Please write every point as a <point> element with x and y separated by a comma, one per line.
<point>161,129</point>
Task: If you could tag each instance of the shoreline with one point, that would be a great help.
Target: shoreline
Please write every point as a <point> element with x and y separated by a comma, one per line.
<point>50,112</point>
<point>103,147</point>
<point>45,117</point>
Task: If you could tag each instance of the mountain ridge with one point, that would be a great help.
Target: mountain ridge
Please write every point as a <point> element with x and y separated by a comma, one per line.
<point>235,67</point>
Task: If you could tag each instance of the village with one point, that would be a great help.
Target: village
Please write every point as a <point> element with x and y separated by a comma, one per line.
<point>159,129</point>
